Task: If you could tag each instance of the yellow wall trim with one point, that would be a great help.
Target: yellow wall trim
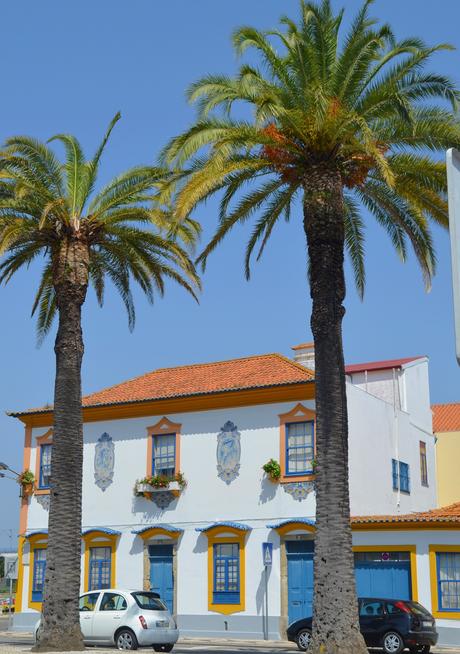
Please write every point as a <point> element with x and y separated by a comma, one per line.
<point>437,613</point>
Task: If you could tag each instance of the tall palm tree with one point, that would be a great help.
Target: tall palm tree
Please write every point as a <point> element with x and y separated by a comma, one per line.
<point>340,123</point>
<point>48,211</point>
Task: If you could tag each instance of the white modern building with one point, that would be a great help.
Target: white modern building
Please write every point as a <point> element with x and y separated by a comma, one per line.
<point>197,536</point>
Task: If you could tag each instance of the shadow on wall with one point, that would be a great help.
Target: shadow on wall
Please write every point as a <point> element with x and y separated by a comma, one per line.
<point>201,545</point>
<point>268,490</point>
<point>150,510</point>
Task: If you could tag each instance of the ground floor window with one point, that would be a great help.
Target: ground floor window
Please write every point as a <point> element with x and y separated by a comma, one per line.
<point>39,574</point>
<point>100,566</point>
<point>226,573</point>
<point>448,577</point>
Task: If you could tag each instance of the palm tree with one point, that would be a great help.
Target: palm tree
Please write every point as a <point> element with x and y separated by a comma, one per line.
<point>48,210</point>
<point>340,123</point>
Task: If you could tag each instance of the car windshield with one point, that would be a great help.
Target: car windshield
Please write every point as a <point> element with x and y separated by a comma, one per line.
<point>149,601</point>
<point>418,608</point>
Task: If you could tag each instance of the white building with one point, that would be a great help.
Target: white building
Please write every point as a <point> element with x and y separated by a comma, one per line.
<point>217,424</point>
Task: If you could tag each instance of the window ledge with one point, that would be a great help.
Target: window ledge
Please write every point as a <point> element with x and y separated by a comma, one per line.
<point>41,491</point>
<point>173,487</point>
<point>288,479</point>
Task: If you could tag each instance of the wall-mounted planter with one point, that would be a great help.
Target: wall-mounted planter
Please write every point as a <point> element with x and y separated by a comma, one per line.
<point>173,487</point>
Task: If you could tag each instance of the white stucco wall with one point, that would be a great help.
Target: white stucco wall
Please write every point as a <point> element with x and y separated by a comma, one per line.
<point>379,434</point>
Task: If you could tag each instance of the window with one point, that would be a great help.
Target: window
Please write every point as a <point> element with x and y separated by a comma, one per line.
<point>88,602</point>
<point>100,566</point>
<point>299,448</point>
<point>113,602</point>
<point>45,466</point>
<point>423,464</point>
<point>39,574</point>
<point>381,557</point>
<point>149,601</point>
<point>448,576</point>
<point>226,573</point>
<point>400,474</point>
<point>164,455</point>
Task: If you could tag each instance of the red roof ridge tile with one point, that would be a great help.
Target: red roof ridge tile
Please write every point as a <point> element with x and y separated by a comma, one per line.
<point>449,513</point>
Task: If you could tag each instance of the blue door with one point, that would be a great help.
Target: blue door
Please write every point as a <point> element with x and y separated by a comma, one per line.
<point>161,573</point>
<point>388,577</point>
<point>300,578</point>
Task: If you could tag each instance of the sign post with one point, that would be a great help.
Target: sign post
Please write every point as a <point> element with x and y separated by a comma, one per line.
<point>453,186</point>
<point>267,558</point>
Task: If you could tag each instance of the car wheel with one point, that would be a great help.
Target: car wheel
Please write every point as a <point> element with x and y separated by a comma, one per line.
<point>125,639</point>
<point>392,643</point>
<point>303,639</point>
<point>163,648</point>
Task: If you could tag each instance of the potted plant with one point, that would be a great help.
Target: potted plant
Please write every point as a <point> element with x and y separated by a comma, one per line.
<point>273,470</point>
<point>160,483</point>
<point>26,480</point>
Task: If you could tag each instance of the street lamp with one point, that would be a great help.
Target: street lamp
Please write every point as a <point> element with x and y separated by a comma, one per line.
<point>4,466</point>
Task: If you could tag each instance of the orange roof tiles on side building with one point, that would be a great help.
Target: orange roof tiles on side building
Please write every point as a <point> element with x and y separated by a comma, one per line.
<point>445,515</point>
<point>446,417</point>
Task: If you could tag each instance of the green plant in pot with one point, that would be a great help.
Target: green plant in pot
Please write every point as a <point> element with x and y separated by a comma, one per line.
<point>26,480</point>
<point>273,470</point>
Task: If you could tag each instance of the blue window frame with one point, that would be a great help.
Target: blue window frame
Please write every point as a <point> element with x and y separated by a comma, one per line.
<point>100,567</point>
<point>401,476</point>
<point>448,571</point>
<point>164,455</point>
<point>226,589</point>
<point>395,472</point>
<point>39,574</point>
<point>300,448</point>
<point>45,466</point>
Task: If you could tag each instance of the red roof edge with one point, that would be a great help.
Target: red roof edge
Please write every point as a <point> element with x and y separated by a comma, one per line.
<point>380,365</point>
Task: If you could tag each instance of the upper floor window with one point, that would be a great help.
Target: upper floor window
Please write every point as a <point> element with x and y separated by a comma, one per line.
<point>45,466</point>
<point>100,567</point>
<point>448,579</point>
<point>226,588</point>
<point>163,448</point>
<point>401,477</point>
<point>423,464</point>
<point>299,448</point>
<point>297,444</point>
<point>39,569</point>
<point>164,455</point>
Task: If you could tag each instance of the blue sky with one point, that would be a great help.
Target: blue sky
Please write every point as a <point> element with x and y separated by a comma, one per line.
<point>69,67</point>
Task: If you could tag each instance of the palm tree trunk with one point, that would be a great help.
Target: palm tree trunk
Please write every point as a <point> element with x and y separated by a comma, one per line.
<point>335,609</point>
<point>60,625</point>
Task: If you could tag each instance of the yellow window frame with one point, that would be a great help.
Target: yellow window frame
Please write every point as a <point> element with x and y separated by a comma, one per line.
<point>35,543</point>
<point>100,539</point>
<point>220,535</point>
<point>437,613</point>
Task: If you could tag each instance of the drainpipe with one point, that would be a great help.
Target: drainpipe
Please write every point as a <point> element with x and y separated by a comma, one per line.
<point>396,434</point>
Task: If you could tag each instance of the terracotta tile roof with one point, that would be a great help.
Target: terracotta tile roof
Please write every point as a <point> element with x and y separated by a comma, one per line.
<point>266,370</point>
<point>446,417</point>
<point>379,365</point>
<point>448,514</point>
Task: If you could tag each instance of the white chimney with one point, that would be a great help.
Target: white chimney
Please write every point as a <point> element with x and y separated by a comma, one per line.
<point>305,354</point>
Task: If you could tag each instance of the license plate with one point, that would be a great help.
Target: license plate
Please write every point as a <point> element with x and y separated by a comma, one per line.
<point>162,623</point>
<point>427,623</point>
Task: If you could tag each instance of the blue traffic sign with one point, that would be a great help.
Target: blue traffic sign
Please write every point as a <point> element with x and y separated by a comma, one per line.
<point>267,553</point>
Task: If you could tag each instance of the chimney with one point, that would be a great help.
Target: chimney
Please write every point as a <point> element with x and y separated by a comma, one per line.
<point>305,354</point>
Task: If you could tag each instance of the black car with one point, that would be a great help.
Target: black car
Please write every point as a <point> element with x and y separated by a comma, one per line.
<point>390,624</point>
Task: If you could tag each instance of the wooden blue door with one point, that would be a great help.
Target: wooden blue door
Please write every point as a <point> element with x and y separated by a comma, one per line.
<point>161,573</point>
<point>300,578</point>
<point>390,579</point>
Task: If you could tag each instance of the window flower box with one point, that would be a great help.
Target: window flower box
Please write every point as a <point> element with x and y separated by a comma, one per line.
<point>171,487</point>
<point>149,487</point>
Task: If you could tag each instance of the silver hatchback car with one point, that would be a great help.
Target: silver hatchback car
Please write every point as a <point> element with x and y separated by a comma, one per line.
<point>127,619</point>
